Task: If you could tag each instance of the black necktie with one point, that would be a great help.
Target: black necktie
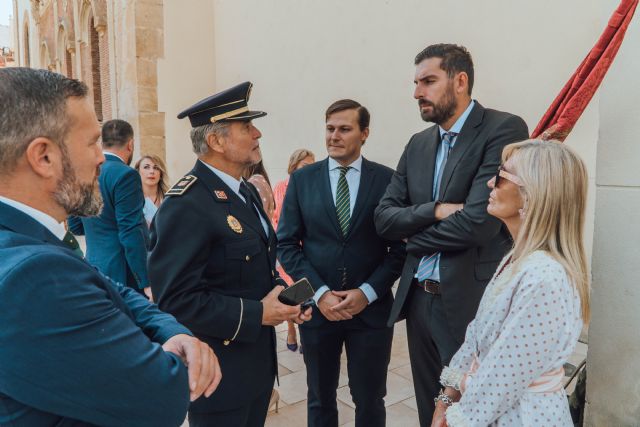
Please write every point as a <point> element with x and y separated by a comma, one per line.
<point>248,198</point>
<point>70,241</point>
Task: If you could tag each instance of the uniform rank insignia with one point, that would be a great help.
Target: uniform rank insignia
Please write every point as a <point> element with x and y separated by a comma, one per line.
<point>234,224</point>
<point>220,195</point>
<point>181,186</point>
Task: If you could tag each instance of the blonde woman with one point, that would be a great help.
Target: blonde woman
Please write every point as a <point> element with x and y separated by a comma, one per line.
<point>509,369</point>
<point>153,174</point>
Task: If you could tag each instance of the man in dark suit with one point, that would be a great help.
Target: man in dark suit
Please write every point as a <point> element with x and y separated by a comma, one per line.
<point>437,201</point>
<point>326,234</point>
<point>76,348</point>
<point>222,282</point>
<point>117,238</point>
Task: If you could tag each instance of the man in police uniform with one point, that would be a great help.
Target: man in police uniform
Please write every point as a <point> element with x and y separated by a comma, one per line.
<point>212,262</point>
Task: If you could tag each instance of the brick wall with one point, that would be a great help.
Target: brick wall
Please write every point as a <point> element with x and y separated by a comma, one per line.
<point>105,78</point>
<point>94,69</point>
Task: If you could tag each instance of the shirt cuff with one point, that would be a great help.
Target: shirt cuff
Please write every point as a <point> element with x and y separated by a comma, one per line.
<point>369,292</point>
<point>323,289</point>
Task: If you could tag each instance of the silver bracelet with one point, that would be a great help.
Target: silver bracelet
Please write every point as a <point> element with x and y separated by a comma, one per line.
<point>443,398</point>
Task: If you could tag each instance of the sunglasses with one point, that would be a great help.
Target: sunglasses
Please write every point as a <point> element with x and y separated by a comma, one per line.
<point>503,174</point>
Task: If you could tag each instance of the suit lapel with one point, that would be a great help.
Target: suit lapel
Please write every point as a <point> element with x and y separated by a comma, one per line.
<point>238,207</point>
<point>367,179</point>
<point>431,149</point>
<point>327,195</point>
<point>468,133</point>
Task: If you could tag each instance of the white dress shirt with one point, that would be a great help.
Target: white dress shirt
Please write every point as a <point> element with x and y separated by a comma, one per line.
<point>56,228</point>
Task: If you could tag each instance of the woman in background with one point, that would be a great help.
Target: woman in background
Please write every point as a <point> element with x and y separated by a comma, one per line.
<point>154,183</point>
<point>298,159</point>
<point>509,370</point>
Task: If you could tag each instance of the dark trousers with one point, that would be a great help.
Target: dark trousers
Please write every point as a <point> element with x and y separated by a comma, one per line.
<point>431,346</point>
<point>252,415</point>
<point>368,355</point>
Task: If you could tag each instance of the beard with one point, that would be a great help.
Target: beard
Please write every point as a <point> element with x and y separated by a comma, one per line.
<point>442,111</point>
<point>77,198</point>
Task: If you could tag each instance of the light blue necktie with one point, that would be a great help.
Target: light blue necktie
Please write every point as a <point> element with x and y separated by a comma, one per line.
<point>428,263</point>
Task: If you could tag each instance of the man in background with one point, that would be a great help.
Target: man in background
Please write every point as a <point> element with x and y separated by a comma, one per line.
<point>117,238</point>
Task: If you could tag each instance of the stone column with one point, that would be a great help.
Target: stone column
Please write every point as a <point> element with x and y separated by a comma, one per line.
<point>613,365</point>
<point>149,23</point>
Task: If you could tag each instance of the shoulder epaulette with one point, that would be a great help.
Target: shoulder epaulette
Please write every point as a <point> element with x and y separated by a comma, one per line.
<point>181,186</point>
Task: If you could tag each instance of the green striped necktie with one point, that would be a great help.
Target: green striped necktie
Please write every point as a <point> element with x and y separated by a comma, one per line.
<point>70,241</point>
<point>343,201</point>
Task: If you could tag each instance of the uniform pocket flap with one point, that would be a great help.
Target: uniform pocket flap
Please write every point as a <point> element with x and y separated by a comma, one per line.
<point>242,249</point>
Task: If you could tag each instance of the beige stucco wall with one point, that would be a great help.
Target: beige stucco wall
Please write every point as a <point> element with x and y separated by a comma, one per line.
<point>302,55</point>
<point>613,385</point>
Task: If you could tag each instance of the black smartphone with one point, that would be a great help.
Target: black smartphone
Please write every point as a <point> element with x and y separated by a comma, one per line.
<point>298,293</point>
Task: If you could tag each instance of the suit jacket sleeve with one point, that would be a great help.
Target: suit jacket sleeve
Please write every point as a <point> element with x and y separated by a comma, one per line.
<point>472,226</point>
<point>157,325</point>
<point>179,256</point>
<point>78,355</point>
<point>395,216</point>
<point>75,225</point>
<point>132,229</point>
<point>290,233</point>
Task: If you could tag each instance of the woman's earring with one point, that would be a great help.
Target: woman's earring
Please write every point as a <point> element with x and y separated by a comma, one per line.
<point>522,212</point>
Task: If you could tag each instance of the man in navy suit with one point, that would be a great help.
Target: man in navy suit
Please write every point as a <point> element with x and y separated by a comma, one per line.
<point>76,348</point>
<point>117,238</point>
<point>326,234</point>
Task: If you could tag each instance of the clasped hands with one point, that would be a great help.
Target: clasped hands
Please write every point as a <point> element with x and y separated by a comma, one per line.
<point>342,305</point>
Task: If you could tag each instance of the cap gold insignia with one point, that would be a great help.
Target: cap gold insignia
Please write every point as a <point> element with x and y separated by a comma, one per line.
<point>234,224</point>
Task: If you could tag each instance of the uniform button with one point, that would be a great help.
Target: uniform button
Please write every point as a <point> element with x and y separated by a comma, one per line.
<point>269,249</point>
<point>247,257</point>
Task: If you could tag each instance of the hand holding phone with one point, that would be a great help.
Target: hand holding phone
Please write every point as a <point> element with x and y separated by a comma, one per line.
<point>298,293</point>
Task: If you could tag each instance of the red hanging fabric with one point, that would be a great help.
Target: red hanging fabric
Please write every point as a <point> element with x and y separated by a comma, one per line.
<point>574,97</point>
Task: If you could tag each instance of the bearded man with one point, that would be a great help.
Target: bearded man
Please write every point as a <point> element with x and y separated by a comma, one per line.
<point>76,348</point>
<point>436,201</point>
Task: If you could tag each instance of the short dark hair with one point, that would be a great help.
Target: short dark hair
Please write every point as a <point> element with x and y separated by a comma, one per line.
<point>350,104</point>
<point>34,104</point>
<point>116,133</point>
<point>455,59</point>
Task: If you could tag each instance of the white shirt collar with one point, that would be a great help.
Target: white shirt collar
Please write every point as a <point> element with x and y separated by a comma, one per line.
<point>457,126</point>
<point>107,153</point>
<point>47,221</point>
<point>233,183</point>
<point>357,164</point>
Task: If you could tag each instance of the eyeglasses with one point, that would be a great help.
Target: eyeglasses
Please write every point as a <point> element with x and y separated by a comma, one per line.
<point>502,173</point>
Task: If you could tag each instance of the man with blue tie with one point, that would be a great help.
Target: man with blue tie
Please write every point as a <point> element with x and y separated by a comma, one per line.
<point>117,239</point>
<point>326,234</point>
<point>437,201</point>
<point>76,348</point>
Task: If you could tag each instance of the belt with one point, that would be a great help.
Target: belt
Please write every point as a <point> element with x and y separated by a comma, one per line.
<point>429,286</point>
